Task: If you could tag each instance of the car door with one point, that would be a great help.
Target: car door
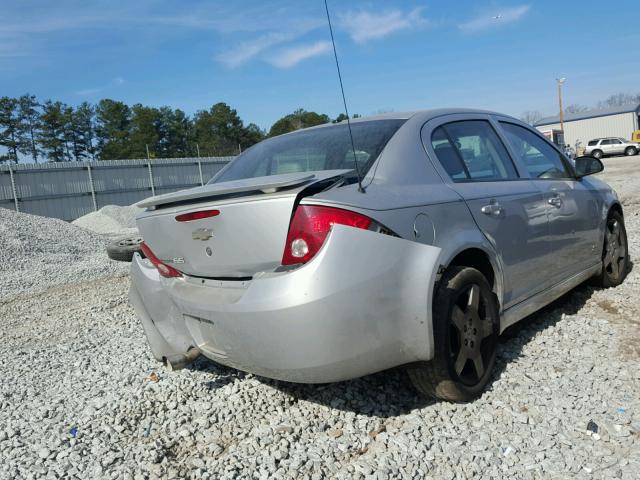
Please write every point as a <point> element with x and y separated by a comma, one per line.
<point>617,147</point>
<point>508,209</point>
<point>572,207</point>
<point>606,146</point>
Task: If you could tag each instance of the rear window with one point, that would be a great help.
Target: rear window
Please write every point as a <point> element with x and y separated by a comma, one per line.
<point>592,143</point>
<point>325,148</point>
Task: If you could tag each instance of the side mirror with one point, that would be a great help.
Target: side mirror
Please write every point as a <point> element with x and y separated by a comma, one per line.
<point>588,166</point>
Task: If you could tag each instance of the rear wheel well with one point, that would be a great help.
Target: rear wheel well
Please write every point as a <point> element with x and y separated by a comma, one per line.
<point>616,208</point>
<point>476,258</point>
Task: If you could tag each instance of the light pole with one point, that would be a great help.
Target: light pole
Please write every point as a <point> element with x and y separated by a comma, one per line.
<point>560,81</point>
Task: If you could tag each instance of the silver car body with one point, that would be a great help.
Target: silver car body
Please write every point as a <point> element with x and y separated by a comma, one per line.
<point>363,303</point>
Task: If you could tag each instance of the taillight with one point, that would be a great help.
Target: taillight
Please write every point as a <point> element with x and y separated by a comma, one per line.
<point>309,229</point>
<point>164,269</point>
<point>187,217</point>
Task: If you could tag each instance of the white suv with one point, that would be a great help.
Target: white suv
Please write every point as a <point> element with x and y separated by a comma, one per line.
<point>611,146</point>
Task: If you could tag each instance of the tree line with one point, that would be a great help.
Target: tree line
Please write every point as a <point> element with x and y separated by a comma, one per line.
<point>57,132</point>
<point>617,100</point>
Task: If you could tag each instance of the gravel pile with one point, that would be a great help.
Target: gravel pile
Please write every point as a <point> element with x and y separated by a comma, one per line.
<point>39,252</point>
<point>81,397</point>
<point>110,219</point>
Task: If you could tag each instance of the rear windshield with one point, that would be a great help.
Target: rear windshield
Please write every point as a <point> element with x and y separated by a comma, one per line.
<point>325,148</point>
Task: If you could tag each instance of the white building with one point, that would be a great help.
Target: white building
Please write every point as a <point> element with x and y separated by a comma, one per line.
<point>584,126</point>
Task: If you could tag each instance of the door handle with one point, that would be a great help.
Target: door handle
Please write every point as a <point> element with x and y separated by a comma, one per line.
<point>555,201</point>
<point>494,208</point>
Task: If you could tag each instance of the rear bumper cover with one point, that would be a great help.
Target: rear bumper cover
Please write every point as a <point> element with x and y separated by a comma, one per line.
<point>362,305</point>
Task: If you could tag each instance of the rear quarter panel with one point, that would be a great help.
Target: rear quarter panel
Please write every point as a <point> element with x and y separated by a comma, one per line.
<point>430,214</point>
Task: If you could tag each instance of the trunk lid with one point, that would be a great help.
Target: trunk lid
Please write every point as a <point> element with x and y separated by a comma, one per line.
<point>246,237</point>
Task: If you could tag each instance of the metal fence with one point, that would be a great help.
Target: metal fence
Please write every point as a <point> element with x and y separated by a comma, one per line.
<point>70,190</point>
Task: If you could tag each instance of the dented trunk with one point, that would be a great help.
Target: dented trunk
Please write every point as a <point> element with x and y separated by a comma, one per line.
<point>246,234</point>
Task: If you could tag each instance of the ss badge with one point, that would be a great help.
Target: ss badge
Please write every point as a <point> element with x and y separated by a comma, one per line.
<point>202,234</point>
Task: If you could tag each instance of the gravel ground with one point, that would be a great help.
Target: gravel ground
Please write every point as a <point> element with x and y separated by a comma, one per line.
<point>81,397</point>
<point>622,173</point>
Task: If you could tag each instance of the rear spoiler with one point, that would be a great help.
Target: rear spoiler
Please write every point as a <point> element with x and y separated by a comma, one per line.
<point>260,184</point>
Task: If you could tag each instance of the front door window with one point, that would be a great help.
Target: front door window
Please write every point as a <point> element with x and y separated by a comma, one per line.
<point>541,160</point>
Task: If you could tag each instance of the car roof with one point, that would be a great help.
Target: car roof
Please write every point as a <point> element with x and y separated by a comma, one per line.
<point>424,115</point>
<point>420,116</point>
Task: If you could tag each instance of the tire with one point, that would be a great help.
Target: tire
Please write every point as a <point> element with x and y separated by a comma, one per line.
<point>597,154</point>
<point>631,151</point>
<point>465,311</point>
<point>123,249</point>
<point>615,253</point>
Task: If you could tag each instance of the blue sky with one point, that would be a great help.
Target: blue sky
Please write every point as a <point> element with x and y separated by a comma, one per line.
<point>267,58</point>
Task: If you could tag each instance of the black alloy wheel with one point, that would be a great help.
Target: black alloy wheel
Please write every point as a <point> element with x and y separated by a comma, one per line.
<point>471,336</point>
<point>615,257</point>
<point>466,325</point>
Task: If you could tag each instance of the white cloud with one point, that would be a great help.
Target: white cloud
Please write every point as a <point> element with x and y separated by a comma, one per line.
<point>262,18</point>
<point>245,51</point>
<point>289,57</point>
<point>89,92</point>
<point>50,24</point>
<point>11,48</point>
<point>494,18</point>
<point>364,26</point>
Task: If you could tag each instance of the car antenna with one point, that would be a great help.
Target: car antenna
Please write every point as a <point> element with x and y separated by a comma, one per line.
<point>344,101</point>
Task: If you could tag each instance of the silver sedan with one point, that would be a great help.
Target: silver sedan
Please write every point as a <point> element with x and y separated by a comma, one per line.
<point>286,265</point>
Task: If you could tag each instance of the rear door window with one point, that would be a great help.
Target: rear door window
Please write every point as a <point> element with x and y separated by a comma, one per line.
<point>539,157</point>
<point>470,150</point>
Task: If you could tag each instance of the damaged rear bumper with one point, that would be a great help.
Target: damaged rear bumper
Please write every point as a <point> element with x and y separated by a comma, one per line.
<point>360,306</point>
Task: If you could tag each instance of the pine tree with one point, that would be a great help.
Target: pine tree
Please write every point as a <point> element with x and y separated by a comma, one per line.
<point>145,131</point>
<point>29,125</point>
<point>219,131</point>
<point>9,127</point>
<point>297,120</point>
<point>83,125</point>
<point>113,122</point>
<point>252,135</point>
<point>72,147</point>
<point>51,137</point>
<point>176,133</point>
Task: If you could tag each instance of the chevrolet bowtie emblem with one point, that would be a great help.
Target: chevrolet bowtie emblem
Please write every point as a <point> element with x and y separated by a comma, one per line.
<point>202,234</point>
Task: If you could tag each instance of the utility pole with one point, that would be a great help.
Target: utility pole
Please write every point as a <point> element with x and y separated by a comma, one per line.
<point>560,81</point>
